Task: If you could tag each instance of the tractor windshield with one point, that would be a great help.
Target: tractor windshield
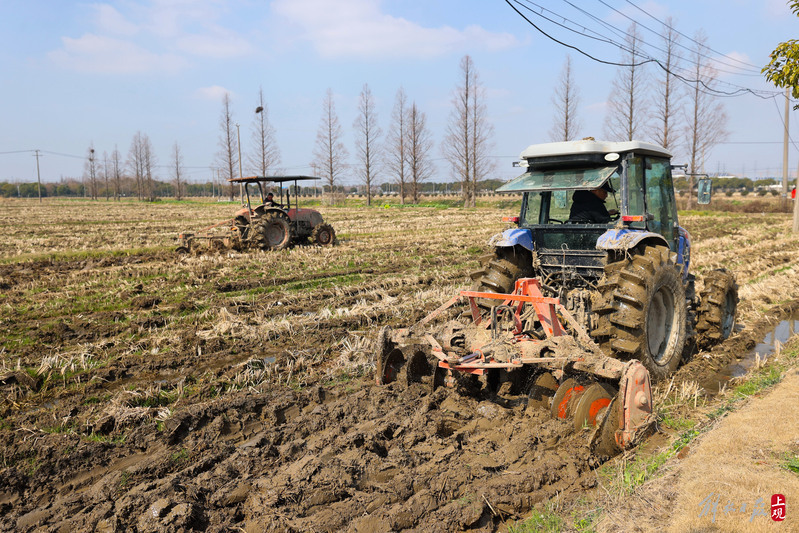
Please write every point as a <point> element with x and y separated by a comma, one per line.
<point>554,207</point>
<point>559,179</point>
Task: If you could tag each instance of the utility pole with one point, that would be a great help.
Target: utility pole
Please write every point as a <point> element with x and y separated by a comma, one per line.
<point>785,149</point>
<point>38,176</point>
<point>241,185</point>
<point>796,205</point>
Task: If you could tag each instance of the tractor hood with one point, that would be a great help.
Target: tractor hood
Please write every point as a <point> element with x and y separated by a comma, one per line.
<point>310,216</point>
<point>560,179</point>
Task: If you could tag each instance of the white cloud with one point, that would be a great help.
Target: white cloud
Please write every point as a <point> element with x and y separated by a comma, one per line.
<point>358,28</point>
<point>733,63</point>
<point>95,53</point>
<point>214,93</point>
<point>152,36</point>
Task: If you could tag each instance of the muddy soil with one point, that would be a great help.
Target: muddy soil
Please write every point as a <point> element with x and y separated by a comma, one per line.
<point>145,392</point>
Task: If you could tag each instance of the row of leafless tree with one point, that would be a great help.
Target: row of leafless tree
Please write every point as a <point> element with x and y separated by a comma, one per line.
<point>140,164</point>
<point>675,106</point>
<point>403,155</point>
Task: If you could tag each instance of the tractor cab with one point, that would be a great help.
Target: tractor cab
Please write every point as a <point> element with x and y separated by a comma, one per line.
<point>639,205</point>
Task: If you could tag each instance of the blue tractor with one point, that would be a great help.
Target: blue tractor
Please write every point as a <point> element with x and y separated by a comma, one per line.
<point>598,228</point>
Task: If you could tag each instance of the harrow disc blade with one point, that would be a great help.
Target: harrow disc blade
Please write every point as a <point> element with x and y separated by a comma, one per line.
<point>566,397</point>
<point>388,359</point>
<point>603,443</point>
<point>440,376</point>
<point>592,404</point>
<point>542,391</point>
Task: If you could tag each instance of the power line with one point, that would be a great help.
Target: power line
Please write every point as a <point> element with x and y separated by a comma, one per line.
<point>708,90</point>
<point>687,37</point>
<point>677,43</point>
<point>17,152</point>
<point>576,49</point>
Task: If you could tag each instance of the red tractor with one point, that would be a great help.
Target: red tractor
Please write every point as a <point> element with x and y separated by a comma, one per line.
<point>272,225</point>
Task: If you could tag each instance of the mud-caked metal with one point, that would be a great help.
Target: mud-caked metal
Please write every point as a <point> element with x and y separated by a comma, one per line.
<point>626,274</point>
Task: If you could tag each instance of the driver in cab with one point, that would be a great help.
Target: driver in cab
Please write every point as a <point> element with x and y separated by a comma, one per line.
<point>270,201</point>
<point>588,207</point>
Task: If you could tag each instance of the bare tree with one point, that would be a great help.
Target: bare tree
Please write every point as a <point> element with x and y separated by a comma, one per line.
<point>227,158</point>
<point>136,163</point>
<point>366,142</point>
<point>419,145</point>
<point>626,104</point>
<point>330,152</point>
<point>177,169</point>
<point>90,171</point>
<point>483,131</point>
<point>468,136</point>
<point>667,96</point>
<point>149,162</point>
<point>105,174</point>
<point>566,99</point>
<point>707,121</point>
<point>396,150</point>
<point>116,169</point>
<point>266,155</point>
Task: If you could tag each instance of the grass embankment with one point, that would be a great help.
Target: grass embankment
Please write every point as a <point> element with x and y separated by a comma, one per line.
<point>712,468</point>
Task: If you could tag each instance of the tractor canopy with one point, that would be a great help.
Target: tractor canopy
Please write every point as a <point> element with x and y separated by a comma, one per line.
<point>577,165</point>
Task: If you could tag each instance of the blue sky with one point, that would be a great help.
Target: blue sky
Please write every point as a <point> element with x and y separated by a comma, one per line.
<point>75,74</point>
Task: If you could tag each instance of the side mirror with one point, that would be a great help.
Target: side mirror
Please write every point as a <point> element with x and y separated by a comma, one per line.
<point>703,192</point>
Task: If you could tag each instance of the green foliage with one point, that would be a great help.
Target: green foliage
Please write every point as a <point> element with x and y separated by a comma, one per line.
<point>543,522</point>
<point>180,457</point>
<point>761,380</point>
<point>791,463</point>
<point>783,68</point>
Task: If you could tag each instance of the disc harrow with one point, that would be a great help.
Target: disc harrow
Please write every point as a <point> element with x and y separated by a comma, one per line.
<point>530,341</point>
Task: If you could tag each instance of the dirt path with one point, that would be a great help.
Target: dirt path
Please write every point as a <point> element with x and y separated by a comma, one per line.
<point>724,480</point>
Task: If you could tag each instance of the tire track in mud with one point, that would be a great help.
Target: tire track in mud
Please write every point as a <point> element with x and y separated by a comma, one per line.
<point>375,459</point>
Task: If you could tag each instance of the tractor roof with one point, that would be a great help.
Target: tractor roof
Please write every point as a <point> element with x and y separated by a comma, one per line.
<point>589,146</point>
<point>273,179</point>
<point>575,165</point>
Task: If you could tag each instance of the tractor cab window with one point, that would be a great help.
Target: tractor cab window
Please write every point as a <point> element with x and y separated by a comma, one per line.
<point>531,212</point>
<point>660,201</point>
<point>547,207</point>
<point>635,190</point>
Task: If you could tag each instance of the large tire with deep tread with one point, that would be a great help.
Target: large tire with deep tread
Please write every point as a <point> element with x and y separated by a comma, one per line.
<point>273,232</point>
<point>500,272</point>
<point>715,318</point>
<point>641,310</point>
<point>323,235</point>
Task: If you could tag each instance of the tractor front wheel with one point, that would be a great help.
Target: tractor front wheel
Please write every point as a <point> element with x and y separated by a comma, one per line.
<point>323,235</point>
<point>641,311</point>
<point>273,232</point>
<point>500,272</point>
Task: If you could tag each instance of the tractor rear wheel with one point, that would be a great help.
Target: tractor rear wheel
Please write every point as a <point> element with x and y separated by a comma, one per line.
<point>718,304</point>
<point>500,272</point>
<point>323,235</point>
<point>273,232</point>
<point>641,310</point>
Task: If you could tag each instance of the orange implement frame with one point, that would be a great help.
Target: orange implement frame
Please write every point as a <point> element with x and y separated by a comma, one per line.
<point>527,290</point>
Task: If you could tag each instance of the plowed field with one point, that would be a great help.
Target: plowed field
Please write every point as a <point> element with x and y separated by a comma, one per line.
<point>143,390</point>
